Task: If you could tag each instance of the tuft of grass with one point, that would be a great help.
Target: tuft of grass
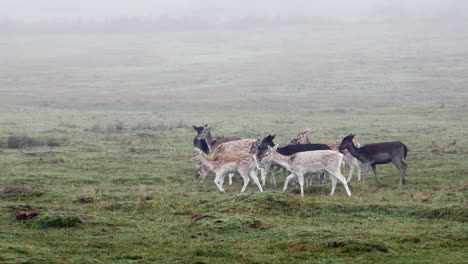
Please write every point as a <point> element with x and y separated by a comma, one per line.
<point>18,142</point>
<point>57,220</point>
<point>357,245</point>
<point>19,192</point>
<point>223,224</point>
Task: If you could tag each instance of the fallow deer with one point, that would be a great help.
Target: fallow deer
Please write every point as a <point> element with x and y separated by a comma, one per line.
<point>244,163</point>
<point>309,162</point>
<point>214,143</point>
<point>205,142</point>
<point>285,150</point>
<point>302,138</point>
<point>236,146</point>
<point>378,153</point>
<point>199,141</point>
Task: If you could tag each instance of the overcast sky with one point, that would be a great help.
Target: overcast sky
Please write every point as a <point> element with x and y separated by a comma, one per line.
<point>52,10</point>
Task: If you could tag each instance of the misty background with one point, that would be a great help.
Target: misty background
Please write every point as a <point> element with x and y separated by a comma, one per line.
<point>265,53</point>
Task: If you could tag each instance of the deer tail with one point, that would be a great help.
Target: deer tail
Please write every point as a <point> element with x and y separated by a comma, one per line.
<point>406,150</point>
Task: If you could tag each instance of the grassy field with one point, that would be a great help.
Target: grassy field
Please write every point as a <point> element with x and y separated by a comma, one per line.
<point>96,134</point>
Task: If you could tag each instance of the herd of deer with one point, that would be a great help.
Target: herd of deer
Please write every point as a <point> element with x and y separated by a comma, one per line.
<point>300,157</point>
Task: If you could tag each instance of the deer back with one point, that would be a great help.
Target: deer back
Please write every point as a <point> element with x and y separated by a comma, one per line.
<point>318,159</point>
<point>220,140</point>
<point>243,145</point>
<point>238,160</point>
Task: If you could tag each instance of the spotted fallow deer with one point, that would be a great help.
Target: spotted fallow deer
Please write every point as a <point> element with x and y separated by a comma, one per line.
<point>244,163</point>
<point>309,162</point>
<point>214,143</point>
<point>302,138</point>
<point>236,146</point>
<point>205,142</point>
<point>287,149</point>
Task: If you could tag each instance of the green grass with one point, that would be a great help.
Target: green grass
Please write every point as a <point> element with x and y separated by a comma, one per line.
<point>122,198</point>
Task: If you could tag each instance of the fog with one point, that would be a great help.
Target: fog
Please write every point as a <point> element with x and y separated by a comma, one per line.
<point>146,53</point>
<point>47,11</point>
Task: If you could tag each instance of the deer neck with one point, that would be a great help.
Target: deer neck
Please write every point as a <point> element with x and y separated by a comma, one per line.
<point>209,141</point>
<point>307,141</point>
<point>206,160</point>
<point>283,161</point>
<point>353,150</point>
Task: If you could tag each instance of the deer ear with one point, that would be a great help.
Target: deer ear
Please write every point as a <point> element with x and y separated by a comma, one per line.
<point>194,127</point>
<point>273,137</point>
<point>206,125</point>
<point>307,130</point>
<point>275,147</point>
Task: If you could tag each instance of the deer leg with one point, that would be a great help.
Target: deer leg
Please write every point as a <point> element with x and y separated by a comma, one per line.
<point>333,180</point>
<point>230,178</point>
<point>375,173</point>
<point>254,177</point>
<point>264,171</point>
<point>292,175</point>
<point>273,176</point>
<point>356,164</point>
<point>245,178</point>
<point>322,179</point>
<point>338,176</point>
<point>218,179</point>
<point>300,176</point>
<point>401,166</point>
<point>348,160</point>
<point>284,173</point>
<point>366,170</point>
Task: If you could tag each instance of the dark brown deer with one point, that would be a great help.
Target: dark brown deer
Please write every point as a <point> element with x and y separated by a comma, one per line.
<point>199,142</point>
<point>378,153</point>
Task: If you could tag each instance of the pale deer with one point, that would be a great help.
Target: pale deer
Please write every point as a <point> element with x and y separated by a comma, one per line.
<point>237,146</point>
<point>244,163</point>
<point>285,149</point>
<point>309,162</point>
<point>302,138</point>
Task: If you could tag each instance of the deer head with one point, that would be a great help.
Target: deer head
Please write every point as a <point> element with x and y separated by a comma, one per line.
<point>196,154</point>
<point>202,131</point>
<point>346,143</point>
<point>267,141</point>
<point>268,155</point>
<point>301,138</point>
<point>201,173</point>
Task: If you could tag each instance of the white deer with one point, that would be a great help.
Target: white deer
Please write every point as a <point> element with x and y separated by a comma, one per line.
<point>302,138</point>
<point>309,162</point>
<point>244,163</point>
